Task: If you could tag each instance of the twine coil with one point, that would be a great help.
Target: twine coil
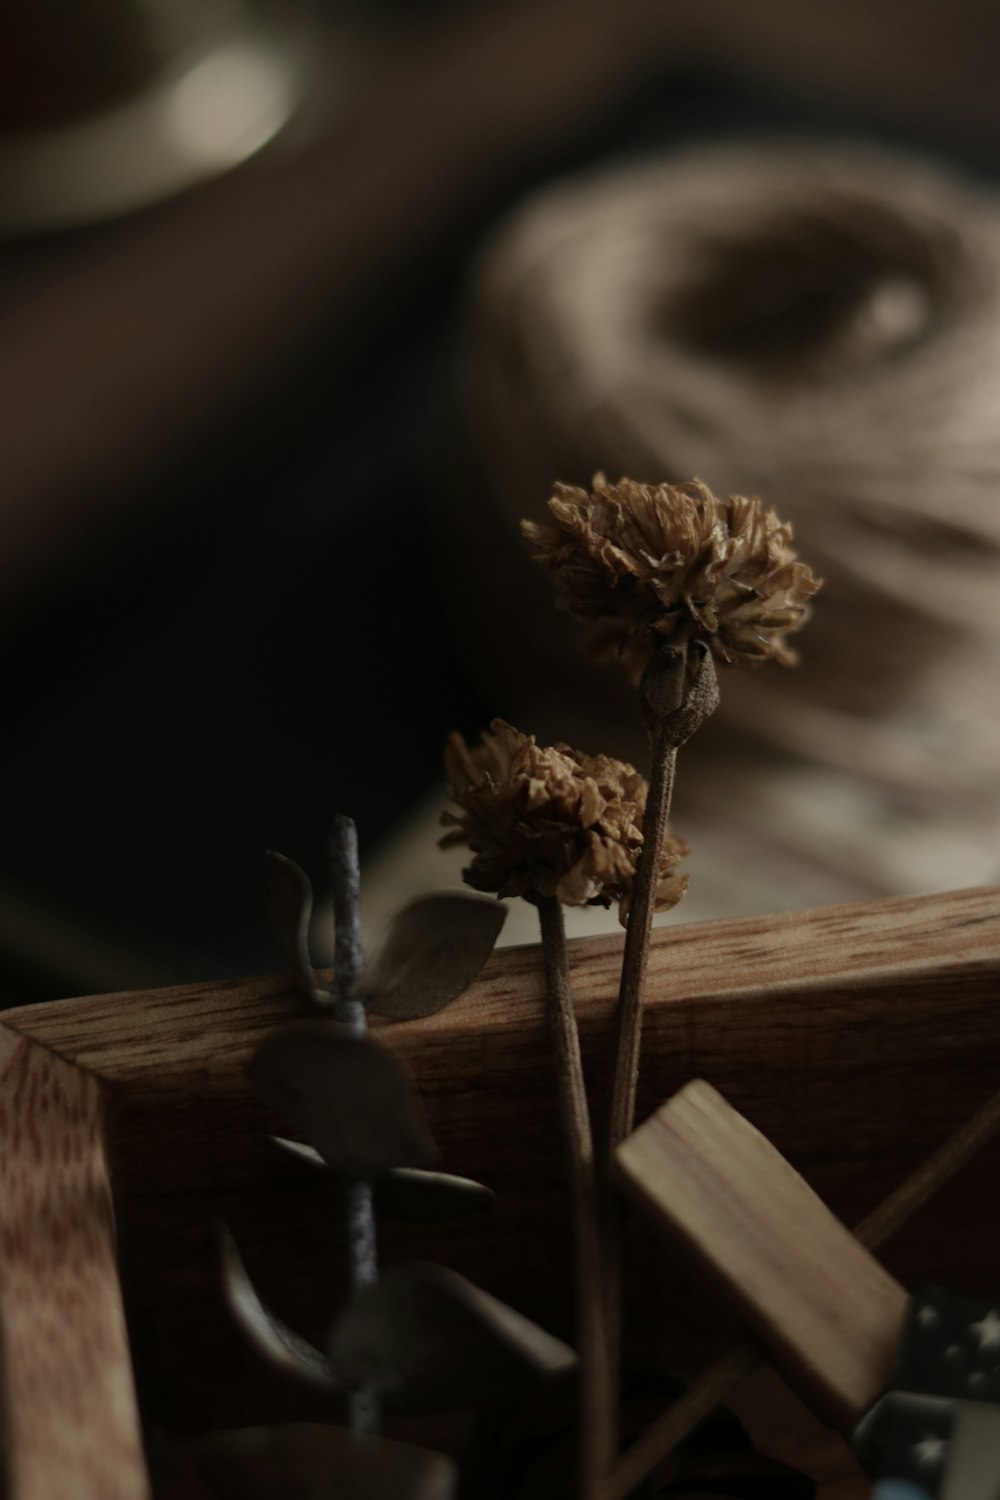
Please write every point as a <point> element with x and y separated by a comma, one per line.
<point>817,325</point>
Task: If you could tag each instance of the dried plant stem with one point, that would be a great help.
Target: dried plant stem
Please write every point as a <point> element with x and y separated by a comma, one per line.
<point>598,1395</point>
<point>631,992</point>
<point>714,1384</point>
<point>628,1020</point>
<point>348,961</point>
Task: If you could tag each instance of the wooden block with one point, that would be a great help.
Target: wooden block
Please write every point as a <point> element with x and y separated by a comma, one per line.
<point>71,1426</point>
<point>826,1311</point>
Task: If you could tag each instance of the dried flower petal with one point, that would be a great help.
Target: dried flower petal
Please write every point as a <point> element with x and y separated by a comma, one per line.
<point>672,561</point>
<point>551,821</point>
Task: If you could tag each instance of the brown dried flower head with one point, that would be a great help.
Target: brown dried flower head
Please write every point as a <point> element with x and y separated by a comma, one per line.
<point>550,821</point>
<point>671,561</point>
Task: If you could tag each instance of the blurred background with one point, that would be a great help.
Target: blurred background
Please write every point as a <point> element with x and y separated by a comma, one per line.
<point>302,305</point>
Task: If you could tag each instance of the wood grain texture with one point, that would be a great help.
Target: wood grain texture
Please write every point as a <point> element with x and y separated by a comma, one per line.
<point>827,1312</point>
<point>69,1411</point>
<point>856,1038</point>
<point>717,1383</point>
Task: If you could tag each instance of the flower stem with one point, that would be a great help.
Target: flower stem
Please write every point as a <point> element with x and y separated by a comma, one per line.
<point>628,1019</point>
<point>348,960</point>
<point>631,992</point>
<point>597,1393</point>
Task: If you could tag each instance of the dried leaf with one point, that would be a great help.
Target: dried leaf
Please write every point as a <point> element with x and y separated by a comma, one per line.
<point>347,1094</point>
<point>285,1349</point>
<point>307,1154</point>
<point>309,1461</point>
<point>290,903</point>
<point>431,951</point>
<point>428,1340</point>
<point>663,682</point>
<point>409,1195</point>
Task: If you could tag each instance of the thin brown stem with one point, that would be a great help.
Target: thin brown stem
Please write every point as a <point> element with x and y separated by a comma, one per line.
<point>628,1022</point>
<point>597,1394</point>
<point>631,992</point>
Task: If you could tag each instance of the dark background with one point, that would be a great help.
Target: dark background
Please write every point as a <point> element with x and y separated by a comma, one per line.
<point>263,634</point>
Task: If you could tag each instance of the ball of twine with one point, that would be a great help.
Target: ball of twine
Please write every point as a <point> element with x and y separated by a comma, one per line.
<point>817,325</point>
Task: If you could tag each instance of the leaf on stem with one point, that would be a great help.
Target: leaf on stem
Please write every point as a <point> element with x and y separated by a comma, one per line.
<point>310,1461</point>
<point>428,1340</point>
<point>347,1094</point>
<point>431,951</point>
<point>409,1195</point>
<point>280,1345</point>
<point>290,903</point>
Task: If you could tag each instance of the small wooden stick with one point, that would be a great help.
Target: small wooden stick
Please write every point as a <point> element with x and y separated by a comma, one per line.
<point>715,1383</point>
<point>673,710</point>
<point>698,1401</point>
<point>631,993</point>
<point>883,1222</point>
<point>598,1398</point>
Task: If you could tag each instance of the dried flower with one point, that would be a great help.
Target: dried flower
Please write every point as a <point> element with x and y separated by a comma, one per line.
<point>550,821</point>
<point>645,561</point>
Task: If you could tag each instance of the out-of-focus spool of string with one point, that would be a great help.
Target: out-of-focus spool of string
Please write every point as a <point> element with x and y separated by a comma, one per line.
<point>816,325</point>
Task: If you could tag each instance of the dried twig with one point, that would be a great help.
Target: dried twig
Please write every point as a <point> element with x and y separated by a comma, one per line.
<point>598,1396</point>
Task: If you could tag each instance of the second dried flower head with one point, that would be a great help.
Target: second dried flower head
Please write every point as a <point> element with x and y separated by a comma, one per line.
<point>551,821</point>
<point>646,562</point>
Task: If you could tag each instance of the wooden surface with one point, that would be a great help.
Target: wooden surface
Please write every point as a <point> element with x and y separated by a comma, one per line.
<point>71,1424</point>
<point>856,1038</point>
<point>827,1312</point>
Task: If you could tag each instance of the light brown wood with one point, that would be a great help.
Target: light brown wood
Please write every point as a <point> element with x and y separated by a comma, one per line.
<point>69,1411</point>
<point>856,1038</point>
<point>718,1381</point>
<point>827,1312</point>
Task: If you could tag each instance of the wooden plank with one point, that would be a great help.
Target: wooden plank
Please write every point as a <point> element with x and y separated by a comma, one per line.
<point>70,1418</point>
<point>856,1038</point>
<point>828,1313</point>
<point>162,1035</point>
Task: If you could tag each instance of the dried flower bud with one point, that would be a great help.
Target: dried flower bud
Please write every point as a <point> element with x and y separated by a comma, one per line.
<point>550,821</point>
<point>647,563</point>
